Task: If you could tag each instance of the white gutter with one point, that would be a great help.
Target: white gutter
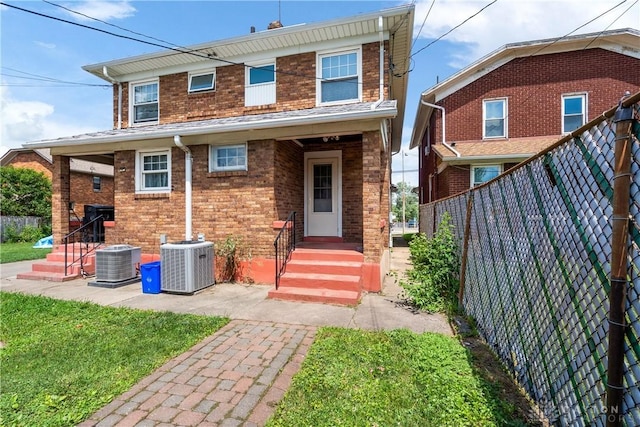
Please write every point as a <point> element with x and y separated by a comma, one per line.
<point>114,81</point>
<point>444,127</point>
<point>171,130</point>
<point>381,30</point>
<point>383,130</point>
<point>188,235</point>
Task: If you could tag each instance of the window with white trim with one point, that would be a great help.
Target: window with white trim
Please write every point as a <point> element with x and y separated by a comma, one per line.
<point>339,77</point>
<point>484,173</point>
<point>260,84</point>
<point>228,158</point>
<point>494,118</point>
<point>199,82</point>
<point>153,171</point>
<point>574,112</point>
<point>144,102</point>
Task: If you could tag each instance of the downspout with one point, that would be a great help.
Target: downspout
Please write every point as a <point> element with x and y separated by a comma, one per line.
<point>381,97</point>
<point>188,235</point>
<point>114,81</point>
<point>444,127</point>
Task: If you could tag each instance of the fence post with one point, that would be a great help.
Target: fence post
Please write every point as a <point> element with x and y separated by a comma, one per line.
<point>619,260</point>
<point>465,249</point>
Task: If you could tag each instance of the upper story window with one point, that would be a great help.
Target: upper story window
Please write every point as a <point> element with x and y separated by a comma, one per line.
<point>574,112</point>
<point>144,102</point>
<point>339,76</point>
<point>199,82</point>
<point>97,183</point>
<point>228,158</point>
<point>484,173</point>
<point>494,114</point>
<point>260,86</point>
<point>153,171</point>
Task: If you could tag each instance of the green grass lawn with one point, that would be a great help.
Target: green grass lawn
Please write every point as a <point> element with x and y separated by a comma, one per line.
<point>12,252</point>
<point>63,360</point>
<point>399,378</point>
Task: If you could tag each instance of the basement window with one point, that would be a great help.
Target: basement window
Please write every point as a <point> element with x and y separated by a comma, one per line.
<point>202,81</point>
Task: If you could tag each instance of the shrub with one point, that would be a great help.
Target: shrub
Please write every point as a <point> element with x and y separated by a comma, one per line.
<point>30,234</point>
<point>432,283</point>
<point>228,253</point>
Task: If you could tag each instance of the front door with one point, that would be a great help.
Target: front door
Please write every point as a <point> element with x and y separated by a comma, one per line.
<point>323,194</point>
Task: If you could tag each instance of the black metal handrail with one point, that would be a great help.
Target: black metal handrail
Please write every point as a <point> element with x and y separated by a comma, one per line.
<point>285,243</point>
<point>90,236</point>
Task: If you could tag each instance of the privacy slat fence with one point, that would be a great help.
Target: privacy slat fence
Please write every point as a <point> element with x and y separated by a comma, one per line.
<point>535,245</point>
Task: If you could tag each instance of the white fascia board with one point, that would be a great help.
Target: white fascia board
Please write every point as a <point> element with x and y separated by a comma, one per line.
<point>254,57</point>
<point>235,127</point>
<point>486,159</point>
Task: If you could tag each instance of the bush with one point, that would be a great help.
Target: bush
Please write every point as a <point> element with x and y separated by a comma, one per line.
<point>29,233</point>
<point>433,282</point>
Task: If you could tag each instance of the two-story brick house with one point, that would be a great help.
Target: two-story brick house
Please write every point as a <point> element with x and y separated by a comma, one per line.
<point>227,138</point>
<point>514,102</point>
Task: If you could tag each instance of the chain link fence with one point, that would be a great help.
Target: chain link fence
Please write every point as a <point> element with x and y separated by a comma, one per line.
<point>536,262</point>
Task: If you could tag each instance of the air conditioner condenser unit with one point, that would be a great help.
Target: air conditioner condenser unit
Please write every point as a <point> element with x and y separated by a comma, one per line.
<point>187,266</point>
<point>117,263</point>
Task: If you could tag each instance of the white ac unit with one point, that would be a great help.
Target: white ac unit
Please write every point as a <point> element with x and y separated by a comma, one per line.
<point>186,267</point>
<point>117,263</point>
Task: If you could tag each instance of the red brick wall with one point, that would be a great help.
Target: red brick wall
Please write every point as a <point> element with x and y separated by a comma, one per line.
<point>227,100</point>
<point>32,161</point>
<point>289,191</point>
<point>453,180</point>
<point>534,86</point>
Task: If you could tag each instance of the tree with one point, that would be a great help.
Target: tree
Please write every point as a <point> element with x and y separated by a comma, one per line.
<point>24,192</point>
<point>410,202</point>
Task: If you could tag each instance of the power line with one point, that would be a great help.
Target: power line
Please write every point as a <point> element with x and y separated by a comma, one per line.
<point>31,76</point>
<point>452,29</point>
<point>178,49</point>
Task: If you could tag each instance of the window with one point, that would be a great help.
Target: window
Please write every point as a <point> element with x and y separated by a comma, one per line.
<point>494,114</point>
<point>573,112</point>
<point>260,87</point>
<point>145,102</point>
<point>97,183</point>
<point>484,173</point>
<point>228,158</point>
<point>153,171</point>
<point>202,81</point>
<point>339,77</point>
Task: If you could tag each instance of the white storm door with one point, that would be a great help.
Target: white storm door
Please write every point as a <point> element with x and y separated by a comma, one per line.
<point>323,195</point>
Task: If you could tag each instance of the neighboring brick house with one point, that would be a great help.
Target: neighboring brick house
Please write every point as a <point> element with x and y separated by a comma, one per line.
<point>302,118</point>
<point>515,102</point>
<point>91,183</point>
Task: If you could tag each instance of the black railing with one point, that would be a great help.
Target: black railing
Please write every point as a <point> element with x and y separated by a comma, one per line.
<point>90,236</point>
<point>285,243</point>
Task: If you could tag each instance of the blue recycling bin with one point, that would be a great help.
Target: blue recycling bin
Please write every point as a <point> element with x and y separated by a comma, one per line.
<point>150,273</point>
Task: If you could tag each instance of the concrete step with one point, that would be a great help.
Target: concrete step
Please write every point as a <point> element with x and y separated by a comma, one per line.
<point>327,255</point>
<point>318,281</point>
<point>353,268</point>
<point>48,276</point>
<point>325,296</point>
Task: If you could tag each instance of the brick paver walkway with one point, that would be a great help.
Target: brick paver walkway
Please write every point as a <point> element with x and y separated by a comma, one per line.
<point>235,377</point>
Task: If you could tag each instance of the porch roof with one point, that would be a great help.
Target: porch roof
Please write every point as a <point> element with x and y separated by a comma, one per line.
<point>503,150</point>
<point>287,119</point>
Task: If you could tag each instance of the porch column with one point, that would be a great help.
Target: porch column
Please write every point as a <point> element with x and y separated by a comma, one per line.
<point>60,198</point>
<point>375,210</point>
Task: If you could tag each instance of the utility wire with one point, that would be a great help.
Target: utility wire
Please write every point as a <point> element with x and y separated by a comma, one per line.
<point>423,22</point>
<point>30,76</point>
<point>452,29</point>
<point>179,49</point>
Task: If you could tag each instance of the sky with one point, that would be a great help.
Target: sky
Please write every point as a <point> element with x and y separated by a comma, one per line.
<point>45,94</point>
